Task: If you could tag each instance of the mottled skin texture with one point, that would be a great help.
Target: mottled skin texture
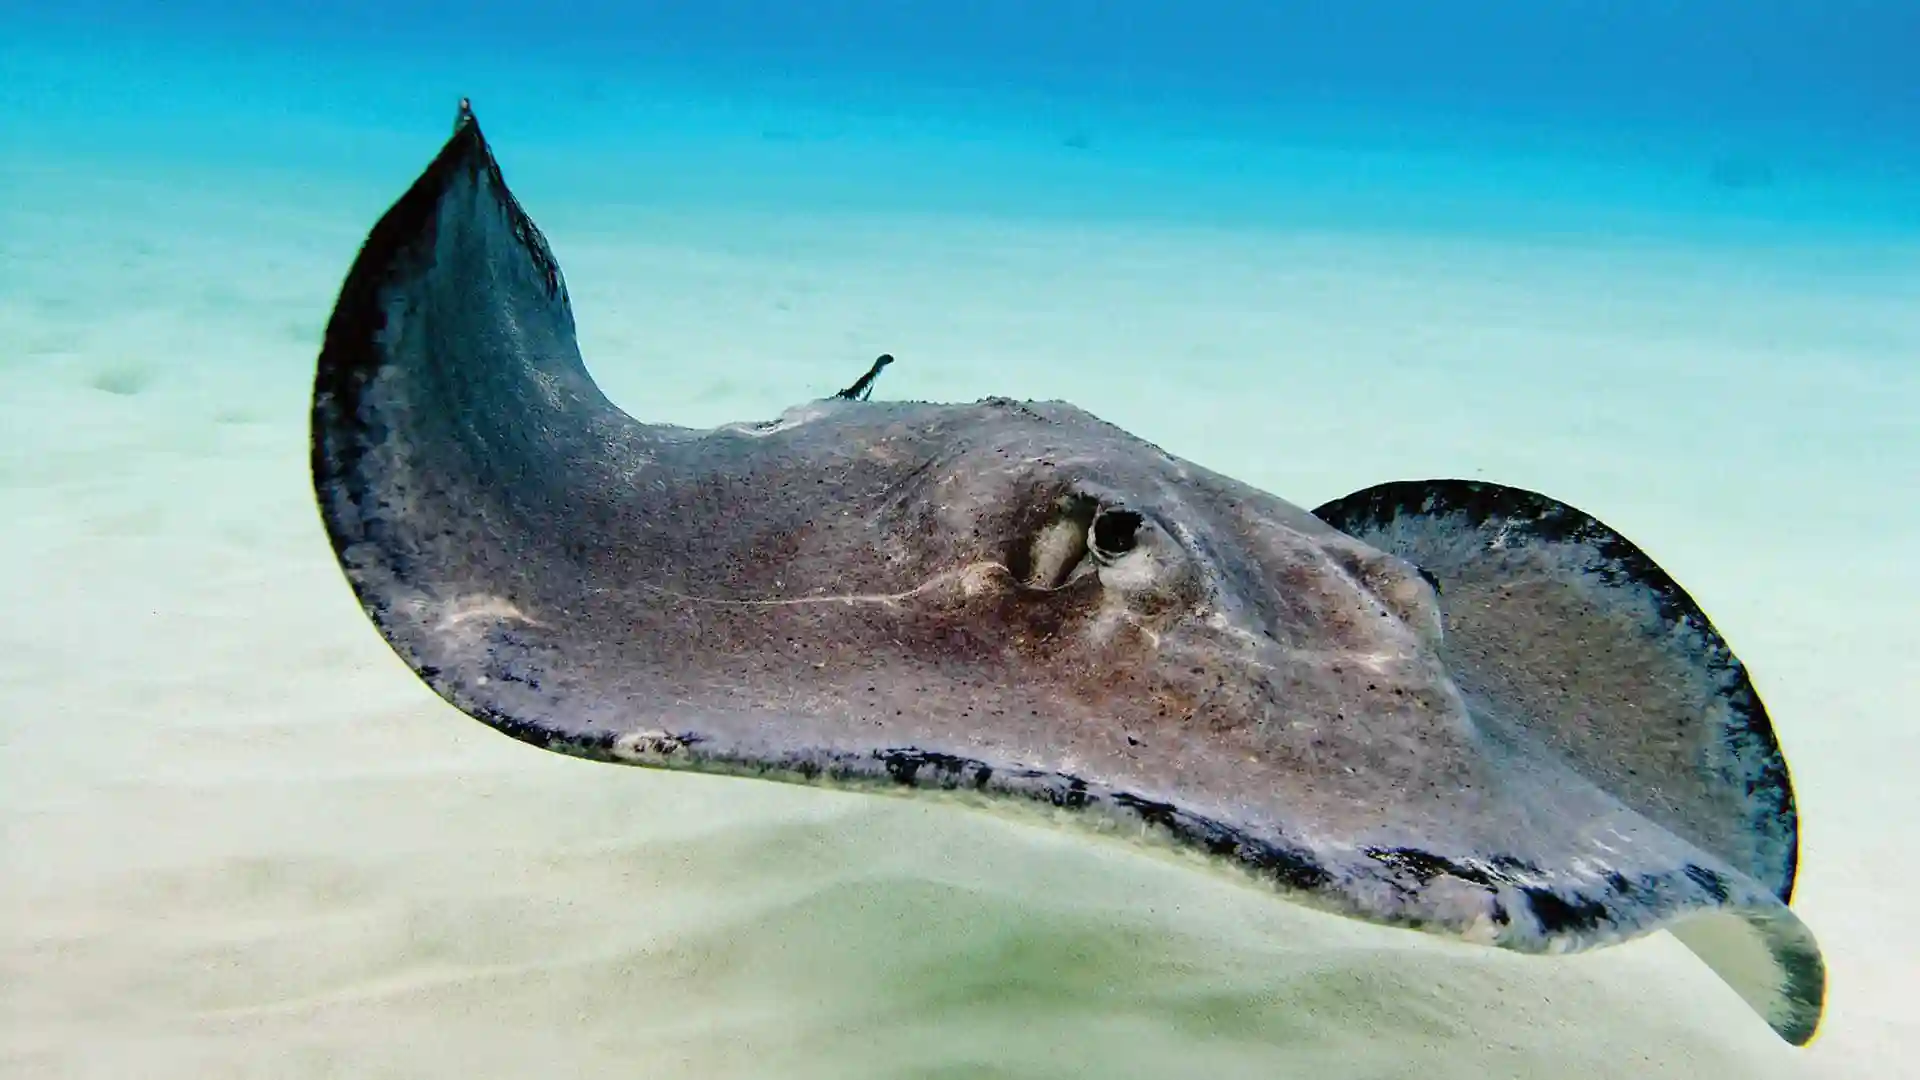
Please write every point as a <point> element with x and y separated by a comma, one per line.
<point>1568,632</point>
<point>1013,598</point>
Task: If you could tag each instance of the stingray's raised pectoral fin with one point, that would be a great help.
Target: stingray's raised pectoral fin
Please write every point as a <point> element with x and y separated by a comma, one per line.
<point>462,456</point>
<point>450,363</point>
<point>1565,635</point>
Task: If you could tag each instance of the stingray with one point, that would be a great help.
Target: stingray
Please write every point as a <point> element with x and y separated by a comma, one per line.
<point>1442,705</point>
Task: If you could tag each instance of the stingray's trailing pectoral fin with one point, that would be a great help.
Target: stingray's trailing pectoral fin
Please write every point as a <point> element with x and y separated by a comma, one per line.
<point>1561,632</point>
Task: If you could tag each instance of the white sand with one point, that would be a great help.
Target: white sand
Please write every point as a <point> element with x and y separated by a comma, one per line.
<point>241,840</point>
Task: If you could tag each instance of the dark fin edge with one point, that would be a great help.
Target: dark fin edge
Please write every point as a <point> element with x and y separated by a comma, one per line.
<point>1766,955</point>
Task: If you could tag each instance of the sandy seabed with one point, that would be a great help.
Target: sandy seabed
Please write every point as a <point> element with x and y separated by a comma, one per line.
<point>241,840</point>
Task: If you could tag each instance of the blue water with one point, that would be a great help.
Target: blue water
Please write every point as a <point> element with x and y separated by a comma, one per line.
<point>1778,120</point>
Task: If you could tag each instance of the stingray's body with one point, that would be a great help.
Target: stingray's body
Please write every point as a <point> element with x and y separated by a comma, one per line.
<point>1441,705</point>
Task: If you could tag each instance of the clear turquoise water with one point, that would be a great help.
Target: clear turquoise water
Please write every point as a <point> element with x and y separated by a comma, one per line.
<point>1731,121</point>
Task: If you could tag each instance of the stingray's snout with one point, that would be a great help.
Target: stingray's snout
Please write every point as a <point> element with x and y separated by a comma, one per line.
<point>1297,630</point>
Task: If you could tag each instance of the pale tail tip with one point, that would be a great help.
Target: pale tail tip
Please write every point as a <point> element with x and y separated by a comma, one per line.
<point>1770,959</point>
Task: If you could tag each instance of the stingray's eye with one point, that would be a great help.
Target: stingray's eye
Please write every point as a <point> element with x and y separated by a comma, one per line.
<point>1114,533</point>
<point>1079,535</point>
<point>1059,549</point>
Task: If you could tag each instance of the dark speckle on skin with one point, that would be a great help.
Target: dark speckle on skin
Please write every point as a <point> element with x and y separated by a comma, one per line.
<point>1712,881</point>
<point>1424,866</point>
<point>905,766</point>
<point>1565,915</point>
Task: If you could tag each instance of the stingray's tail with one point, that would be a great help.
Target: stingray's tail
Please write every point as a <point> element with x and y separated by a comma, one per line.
<point>1560,627</point>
